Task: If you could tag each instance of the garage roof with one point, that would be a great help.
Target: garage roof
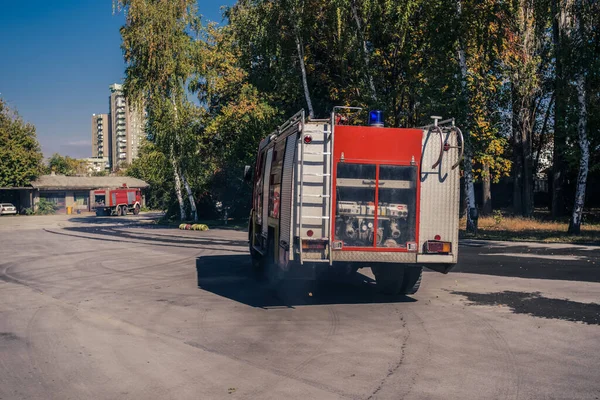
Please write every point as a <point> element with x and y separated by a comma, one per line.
<point>86,182</point>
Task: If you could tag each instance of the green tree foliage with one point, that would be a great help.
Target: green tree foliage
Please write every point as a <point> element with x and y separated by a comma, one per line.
<point>154,167</point>
<point>492,65</point>
<point>20,154</point>
<point>235,117</point>
<point>65,165</point>
<point>45,207</point>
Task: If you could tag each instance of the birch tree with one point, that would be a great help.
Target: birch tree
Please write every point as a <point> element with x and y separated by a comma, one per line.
<point>365,51</point>
<point>579,34</point>
<point>468,156</point>
<point>156,47</point>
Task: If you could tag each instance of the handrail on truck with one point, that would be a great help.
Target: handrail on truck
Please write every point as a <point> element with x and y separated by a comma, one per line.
<point>462,146</point>
<point>445,145</point>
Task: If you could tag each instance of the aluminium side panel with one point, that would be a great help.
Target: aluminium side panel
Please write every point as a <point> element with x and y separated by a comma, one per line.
<point>440,194</point>
<point>287,191</point>
<point>265,193</point>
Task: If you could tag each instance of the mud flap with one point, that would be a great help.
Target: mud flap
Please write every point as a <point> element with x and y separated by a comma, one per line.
<point>443,268</point>
<point>438,262</point>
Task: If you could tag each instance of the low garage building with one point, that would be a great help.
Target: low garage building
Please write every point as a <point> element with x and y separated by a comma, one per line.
<point>65,191</point>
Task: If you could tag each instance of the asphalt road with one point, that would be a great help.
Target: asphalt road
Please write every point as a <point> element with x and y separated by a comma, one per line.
<point>112,308</point>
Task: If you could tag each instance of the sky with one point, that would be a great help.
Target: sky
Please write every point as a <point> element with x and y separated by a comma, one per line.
<point>57,59</point>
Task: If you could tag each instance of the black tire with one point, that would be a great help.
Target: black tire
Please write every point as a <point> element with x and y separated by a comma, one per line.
<point>412,280</point>
<point>389,278</point>
<point>124,212</point>
<point>119,211</point>
<point>341,272</point>
<point>257,259</point>
<point>136,209</point>
<point>271,270</point>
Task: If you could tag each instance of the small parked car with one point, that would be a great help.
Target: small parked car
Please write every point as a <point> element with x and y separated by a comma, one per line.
<point>7,208</point>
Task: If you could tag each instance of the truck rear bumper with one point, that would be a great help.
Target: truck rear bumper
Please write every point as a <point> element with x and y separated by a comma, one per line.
<point>393,257</point>
<point>373,256</point>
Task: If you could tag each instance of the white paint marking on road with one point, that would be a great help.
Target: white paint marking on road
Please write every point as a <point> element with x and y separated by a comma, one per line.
<point>543,256</point>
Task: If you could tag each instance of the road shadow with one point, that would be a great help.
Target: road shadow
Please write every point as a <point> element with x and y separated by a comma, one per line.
<point>232,276</point>
<point>143,219</point>
<point>539,262</point>
<point>117,235</point>
<point>536,305</point>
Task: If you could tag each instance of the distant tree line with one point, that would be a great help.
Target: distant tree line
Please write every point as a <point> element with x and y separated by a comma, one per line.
<point>521,77</point>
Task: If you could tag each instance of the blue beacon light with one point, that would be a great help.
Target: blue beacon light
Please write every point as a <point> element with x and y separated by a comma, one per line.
<point>376,118</point>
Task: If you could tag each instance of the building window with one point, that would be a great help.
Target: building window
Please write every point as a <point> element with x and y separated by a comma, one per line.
<point>80,199</point>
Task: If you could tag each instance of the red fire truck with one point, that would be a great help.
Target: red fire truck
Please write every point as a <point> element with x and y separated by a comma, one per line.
<point>117,201</point>
<point>330,195</point>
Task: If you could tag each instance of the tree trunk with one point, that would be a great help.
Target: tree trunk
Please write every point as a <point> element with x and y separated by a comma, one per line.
<point>175,168</point>
<point>486,201</point>
<point>468,162</point>
<point>311,112</point>
<point>560,133</point>
<point>517,165</point>
<point>517,186</point>
<point>190,197</point>
<point>584,144</point>
<point>527,179</point>
<point>542,137</point>
<point>365,51</point>
<point>182,213</point>
<point>470,193</point>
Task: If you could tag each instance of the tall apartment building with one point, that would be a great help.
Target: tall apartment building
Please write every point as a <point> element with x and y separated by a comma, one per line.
<point>127,129</point>
<point>100,135</point>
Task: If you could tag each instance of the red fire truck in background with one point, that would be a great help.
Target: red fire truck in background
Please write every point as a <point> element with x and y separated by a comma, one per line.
<point>117,201</point>
<point>329,195</point>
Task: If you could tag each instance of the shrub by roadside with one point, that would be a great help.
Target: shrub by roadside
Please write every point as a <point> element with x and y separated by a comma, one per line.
<point>193,227</point>
<point>45,207</point>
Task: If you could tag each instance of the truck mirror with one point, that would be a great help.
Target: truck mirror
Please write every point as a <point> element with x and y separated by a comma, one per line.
<point>247,173</point>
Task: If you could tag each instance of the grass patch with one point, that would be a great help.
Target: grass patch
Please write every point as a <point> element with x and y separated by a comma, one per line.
<point>530,229</point>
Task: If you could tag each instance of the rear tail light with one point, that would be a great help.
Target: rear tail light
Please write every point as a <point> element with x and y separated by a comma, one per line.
<point>314,245</point>
<point>435,246</point>
<point>307,139</point>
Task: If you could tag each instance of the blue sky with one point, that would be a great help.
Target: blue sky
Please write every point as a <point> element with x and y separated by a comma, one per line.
<point>57,59</point>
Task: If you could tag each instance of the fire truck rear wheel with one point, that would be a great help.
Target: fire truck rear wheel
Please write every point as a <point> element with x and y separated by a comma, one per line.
<point>124,208</point>
<point>119,211</point>
<point>271,269</point>
<point>258,264</point>
<point>412,280</point>
<point>136,209</point>
<point>389,278</point>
